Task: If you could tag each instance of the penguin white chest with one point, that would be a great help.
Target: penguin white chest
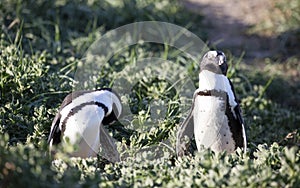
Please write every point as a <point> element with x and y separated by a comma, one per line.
<point>211,127</point>
<point>83,129</point>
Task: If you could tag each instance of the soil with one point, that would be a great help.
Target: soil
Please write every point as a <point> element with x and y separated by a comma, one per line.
<point>227,23</point>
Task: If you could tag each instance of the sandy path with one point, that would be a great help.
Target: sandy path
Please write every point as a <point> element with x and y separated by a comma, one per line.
<point>227,21</point>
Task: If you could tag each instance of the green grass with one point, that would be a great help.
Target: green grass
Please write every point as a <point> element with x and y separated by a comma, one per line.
<point>40,47</point>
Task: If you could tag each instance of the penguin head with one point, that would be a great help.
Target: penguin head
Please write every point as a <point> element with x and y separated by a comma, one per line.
<point>214,61</point>
<point>116,108</point>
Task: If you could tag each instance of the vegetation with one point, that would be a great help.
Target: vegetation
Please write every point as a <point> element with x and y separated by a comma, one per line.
<point>41,44</point>
<point>283,23</point>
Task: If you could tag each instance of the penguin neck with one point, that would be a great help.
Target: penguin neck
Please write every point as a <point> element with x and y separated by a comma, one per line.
<point>209,81</point>
<point>115,104</point>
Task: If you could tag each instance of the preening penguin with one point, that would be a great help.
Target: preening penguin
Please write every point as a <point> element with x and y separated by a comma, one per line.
<point>215,117</point>
<point>80,120</point>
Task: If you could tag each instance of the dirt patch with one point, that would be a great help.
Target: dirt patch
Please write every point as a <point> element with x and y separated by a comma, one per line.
<point>227,23</point>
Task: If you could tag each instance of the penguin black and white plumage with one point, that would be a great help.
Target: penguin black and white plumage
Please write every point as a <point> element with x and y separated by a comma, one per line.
<point>215,116</point>
<point>80,120</point>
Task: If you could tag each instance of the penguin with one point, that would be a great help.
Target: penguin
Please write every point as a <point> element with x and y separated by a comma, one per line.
<point>80,121</point>
<point>215,118</point>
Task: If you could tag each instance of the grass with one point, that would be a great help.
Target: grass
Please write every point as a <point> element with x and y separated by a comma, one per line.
<point>40,48</point>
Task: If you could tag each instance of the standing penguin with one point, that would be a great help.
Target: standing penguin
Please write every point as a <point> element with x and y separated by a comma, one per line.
<point>215,117</point>
<point>80,120</point>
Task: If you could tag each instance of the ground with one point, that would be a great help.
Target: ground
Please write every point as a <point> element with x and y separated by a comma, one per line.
<point>42,42</point>
<point>228,23</point>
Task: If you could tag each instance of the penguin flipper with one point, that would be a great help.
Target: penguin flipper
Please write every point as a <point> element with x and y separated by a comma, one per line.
<point>108,146</point>
<point>238,114</point>
<point>55,132</point>
<point>186,129</point>
<point>245,138</point>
